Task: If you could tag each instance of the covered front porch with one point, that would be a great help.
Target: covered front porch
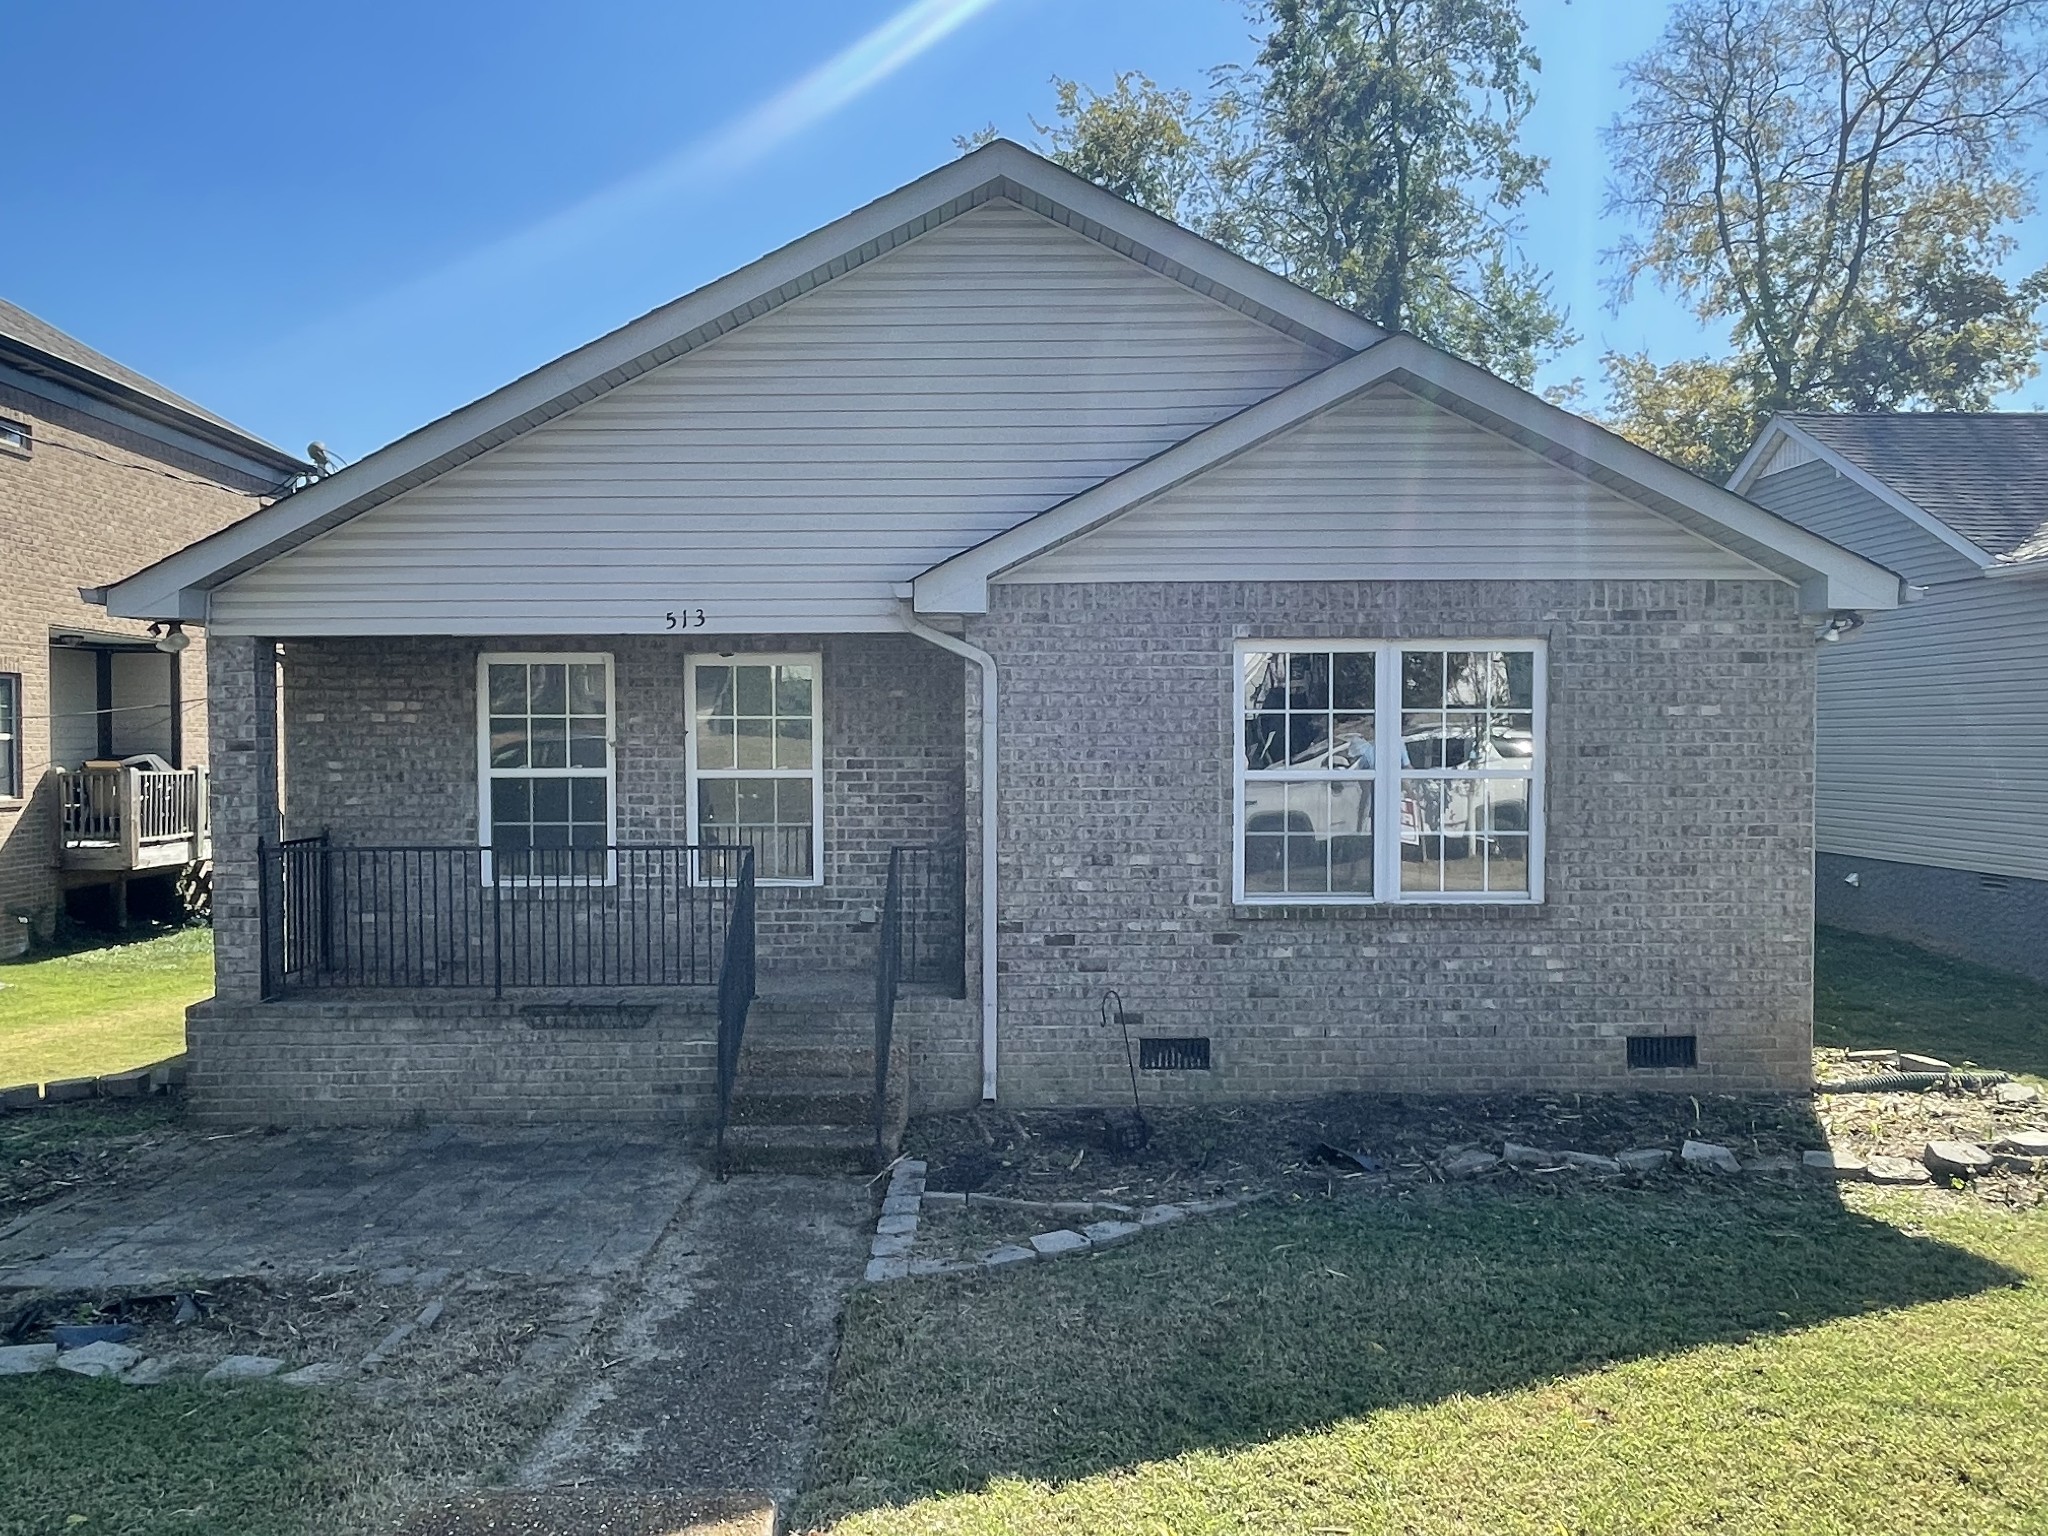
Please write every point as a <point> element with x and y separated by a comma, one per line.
<point>605,876</point>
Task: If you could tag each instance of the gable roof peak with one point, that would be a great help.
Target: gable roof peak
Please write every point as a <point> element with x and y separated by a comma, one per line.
<point>1977,479</point>
<point>1002,169</point>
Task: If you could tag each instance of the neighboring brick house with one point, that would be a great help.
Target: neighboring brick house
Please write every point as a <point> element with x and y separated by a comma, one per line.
<point>101,473</point>
<point>1054,603</point>
<point>1932,800</point>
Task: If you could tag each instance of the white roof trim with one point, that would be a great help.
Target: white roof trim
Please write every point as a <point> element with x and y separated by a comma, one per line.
<point>175,587</point>
<point>1778,429</point>
<point>1828,575</point>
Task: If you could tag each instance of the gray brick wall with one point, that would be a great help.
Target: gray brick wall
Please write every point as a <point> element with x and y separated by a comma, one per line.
<point>457,1059</point>
<point>1680,788</point>
<point>381,748</point>
<point>1679,866</point>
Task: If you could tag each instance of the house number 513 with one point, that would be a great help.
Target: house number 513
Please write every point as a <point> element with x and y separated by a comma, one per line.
<point>684,618</point>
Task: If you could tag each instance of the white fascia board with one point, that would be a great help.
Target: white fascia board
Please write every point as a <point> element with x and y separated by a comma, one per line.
<point>1828,575</point>
<point>498,416</point>
<point>1862,479</point>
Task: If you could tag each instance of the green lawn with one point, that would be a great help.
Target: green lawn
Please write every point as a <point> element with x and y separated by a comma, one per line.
<point>182,1458</point>
<point>96,1458</point>
<point>1735,1361</point>
<point>101,1010</point>
<point>1747,1359</point>
<point>1874,993</point>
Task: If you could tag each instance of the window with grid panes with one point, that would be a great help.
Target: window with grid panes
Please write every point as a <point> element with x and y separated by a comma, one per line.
<point>547,809</point>
<point>754,762</point>
<point>1384,771</point>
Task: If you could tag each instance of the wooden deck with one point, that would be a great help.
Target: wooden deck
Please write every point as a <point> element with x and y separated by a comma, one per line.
<point>132,820</point>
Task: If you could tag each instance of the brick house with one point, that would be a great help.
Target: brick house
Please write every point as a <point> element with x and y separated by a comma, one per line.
<point>1052,603</point>
<point>101,472</point>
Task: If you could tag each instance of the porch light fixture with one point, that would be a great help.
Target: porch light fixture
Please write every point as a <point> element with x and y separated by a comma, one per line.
<point>170,637</point>
<point>1842,623</point>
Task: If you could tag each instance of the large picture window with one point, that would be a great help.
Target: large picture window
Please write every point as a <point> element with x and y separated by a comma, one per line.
<point>754,762</point>
<point>545,750</point>
<point>1383,771</point>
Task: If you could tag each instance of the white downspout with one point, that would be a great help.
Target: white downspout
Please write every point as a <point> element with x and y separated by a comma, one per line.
<point>987,664</point>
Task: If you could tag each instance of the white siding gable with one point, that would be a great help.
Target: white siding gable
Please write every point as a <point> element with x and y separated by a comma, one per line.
<point>1385,487</point>
<point>1835,507</point>
<point>786,477</point>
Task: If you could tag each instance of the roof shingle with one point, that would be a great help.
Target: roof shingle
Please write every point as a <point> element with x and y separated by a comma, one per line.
<point>1983,473</point>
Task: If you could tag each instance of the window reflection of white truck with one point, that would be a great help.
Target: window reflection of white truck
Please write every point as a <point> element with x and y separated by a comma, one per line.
<point>1455,809</point>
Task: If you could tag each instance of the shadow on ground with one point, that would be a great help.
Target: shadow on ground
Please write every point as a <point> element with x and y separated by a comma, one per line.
<point>1293,1317</point>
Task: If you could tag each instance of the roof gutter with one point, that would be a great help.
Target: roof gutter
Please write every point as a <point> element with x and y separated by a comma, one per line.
<point>87,381</point>
<point>989,906</point>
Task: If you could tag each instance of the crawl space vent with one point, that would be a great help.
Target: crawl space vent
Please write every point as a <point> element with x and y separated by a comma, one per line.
<point>1663,1050</point>
<point>1173,1053</point>
<point>1995,882</point>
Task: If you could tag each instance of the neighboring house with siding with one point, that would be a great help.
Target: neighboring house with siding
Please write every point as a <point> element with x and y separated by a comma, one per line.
<point>1051,602</point>
<point>101,472</point>
<point>1932,819</point>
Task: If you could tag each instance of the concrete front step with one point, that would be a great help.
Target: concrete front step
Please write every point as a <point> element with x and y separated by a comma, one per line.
<point>761,1060</point>
<point>781,1103</point>
<point>799,1148</point>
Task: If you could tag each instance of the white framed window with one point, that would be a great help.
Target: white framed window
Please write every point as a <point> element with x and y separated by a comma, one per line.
<point>547,811</point>
<point>10,736</point>
<point>755,758</point>
<point>1389,771</point>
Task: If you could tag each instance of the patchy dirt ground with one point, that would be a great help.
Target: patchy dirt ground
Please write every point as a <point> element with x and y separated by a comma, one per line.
<point>1902,1124</point>
<point>481,1331</point>
<point>1375,1143</point>
<point>1242,1148</point>
<point>49,1155</point>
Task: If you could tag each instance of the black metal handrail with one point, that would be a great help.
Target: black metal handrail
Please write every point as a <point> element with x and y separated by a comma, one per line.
<point>921,938</point>
<point>736,983</point>
<point>466,917</point>
<point>932,882</point>
<point>888,976</point>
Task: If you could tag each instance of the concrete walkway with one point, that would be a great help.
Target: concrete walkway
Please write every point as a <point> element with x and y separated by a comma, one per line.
<point>716,1305</point>
<point>724,1346</point>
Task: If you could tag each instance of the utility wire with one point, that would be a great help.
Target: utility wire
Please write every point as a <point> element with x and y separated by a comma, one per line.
<point>113,709</point>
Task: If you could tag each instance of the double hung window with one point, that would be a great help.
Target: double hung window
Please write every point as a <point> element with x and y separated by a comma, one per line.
<point>548,810</point>
<point>754,762</point>
<point>1383,771</point>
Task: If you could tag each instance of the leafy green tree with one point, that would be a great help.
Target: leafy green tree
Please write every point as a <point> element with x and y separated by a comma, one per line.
<point>1369,153</point>
<point>1836,180</point>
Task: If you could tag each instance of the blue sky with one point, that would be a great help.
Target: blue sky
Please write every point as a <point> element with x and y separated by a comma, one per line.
<point>340,221</point>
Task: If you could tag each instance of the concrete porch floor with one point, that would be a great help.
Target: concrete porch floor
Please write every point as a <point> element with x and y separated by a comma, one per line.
<point>552,1203</point>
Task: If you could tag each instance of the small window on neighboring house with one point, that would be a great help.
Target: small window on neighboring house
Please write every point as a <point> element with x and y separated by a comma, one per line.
<point>1381,771</point>
<point>545,750</point>
<point>754,756</point>
<point>10,735</point>
<point>16,436</point>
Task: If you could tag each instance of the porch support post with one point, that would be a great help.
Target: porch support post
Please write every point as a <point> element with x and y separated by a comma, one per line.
<point>242,699</point>
<point>981,766</point>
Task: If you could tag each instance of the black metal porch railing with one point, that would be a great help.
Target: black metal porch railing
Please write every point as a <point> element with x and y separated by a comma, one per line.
<point>376,918</point>
<point>932,888</point>
<point>921,938</point>
<point>736,982</point>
